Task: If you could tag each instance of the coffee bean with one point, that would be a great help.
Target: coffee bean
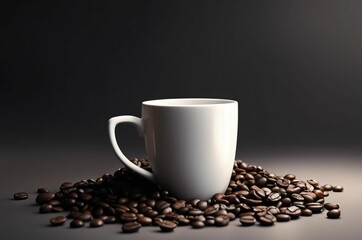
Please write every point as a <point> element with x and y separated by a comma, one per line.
<point>57,209</point>
<point>144,221</point>
<point>267,220</point>
<point>330,206</point>
<point>337,188</point>
<point>313,182</point>
<point>131,227</point>
<point>109,219</point>
<point>282,217</point>
<point>128,217</point>
<point>197,224</point>
<point>247,220</point>
<point>274,197</point>
<point>96,223</point>
<point>167,226</point>
<point>290,176</point>
<point>297,197</point>
<point>319,193</point>
<point>202,205</point>
<point>334,213</point>
<point>182,221</point>
<point>57,221</point>
<point>327,187</point>
<point>44,198</point>
<point>307,212</point>
<point>293,211</point>
<point>195,212</point>
<point>178,204</point>
<point>42,190</point>
<point>222,220</point>
<point>45,208</point>
<point>315,207</point>
<point>85,217</point>
<point>76,223</point>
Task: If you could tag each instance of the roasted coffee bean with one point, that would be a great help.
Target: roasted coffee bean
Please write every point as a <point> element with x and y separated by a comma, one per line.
<point>297,197</point>
<point>282,217</point>
<point>267,220</point>
<point>337,188</point>
<point>319,193</point>
<point>167,226</point>
<point>315,207</point>
<point>313,182</point>
<point>231,216</point>
<point>274,197</point>
<point>330,206</point>
<point>210,222</point>
<point>96,223</point>
<point>144,221</point>
<point>222,220</point>
<point>327,187</point>
<point>178,204</point>
<point>42,190</point>
<point>109,219</point>
<point>197,224</point>
<point>247,220</point>
<point>202,205</point>
<point>182,221</point>
<point>45,208</point>
<point>85,217</point>
<point>54,202</point>
<point>57,221</point>
<point>128,217</point>
<point>44,198</point>
<point>293,211</point>
<point>334,213</point>
<point>195,212</point>
<point>210,211</point>
<point>131,227</point>
<point>307,212</point>
<point>290,176</point>
<point>76,223</point>
<point>58,209</point>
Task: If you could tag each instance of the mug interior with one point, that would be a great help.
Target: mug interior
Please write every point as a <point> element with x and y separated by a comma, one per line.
<point>185,102</point>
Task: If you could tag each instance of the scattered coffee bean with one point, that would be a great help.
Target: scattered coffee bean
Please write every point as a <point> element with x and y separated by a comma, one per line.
<point>57,221</point>
<point>76,223</point>
<point>267,220</point>
<point>45,208</point>
<point>44,197</point>
<point>131,227</point>
<point>144,221</point>
<point>283,217</point>
<point>42,190</point>
<point>247,220</point>
<point>20,196</point>
<point>197,224</point>
<point>167,226</point>
<point>337,188</point>
<point>307,212</point>
<point>96,223</point>
<point>328,187</point>
<point>334,213</point>
<point>331,206</point>
<point>222,220</point>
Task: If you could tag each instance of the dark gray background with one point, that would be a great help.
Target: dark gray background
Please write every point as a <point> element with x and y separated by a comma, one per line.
<point>66,67</point>
<point>294,67</point>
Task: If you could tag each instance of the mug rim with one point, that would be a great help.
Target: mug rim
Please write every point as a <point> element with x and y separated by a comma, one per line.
<point>188,102</point>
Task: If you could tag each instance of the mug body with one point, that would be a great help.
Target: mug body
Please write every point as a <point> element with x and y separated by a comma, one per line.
<point>191,144</point>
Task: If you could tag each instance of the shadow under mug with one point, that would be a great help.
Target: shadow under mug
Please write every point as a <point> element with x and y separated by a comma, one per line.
<point>190,143</point>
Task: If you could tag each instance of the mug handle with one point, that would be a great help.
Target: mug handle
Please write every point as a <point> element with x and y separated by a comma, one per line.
<point>137,122</point>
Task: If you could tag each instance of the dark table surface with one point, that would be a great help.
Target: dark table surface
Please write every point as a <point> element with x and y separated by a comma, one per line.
<point>42,165</point>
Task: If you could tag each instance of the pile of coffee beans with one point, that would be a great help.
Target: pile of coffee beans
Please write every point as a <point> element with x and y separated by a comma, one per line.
<point>254,195</point>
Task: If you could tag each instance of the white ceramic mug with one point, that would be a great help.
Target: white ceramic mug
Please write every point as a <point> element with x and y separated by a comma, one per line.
<point>190,143</point>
